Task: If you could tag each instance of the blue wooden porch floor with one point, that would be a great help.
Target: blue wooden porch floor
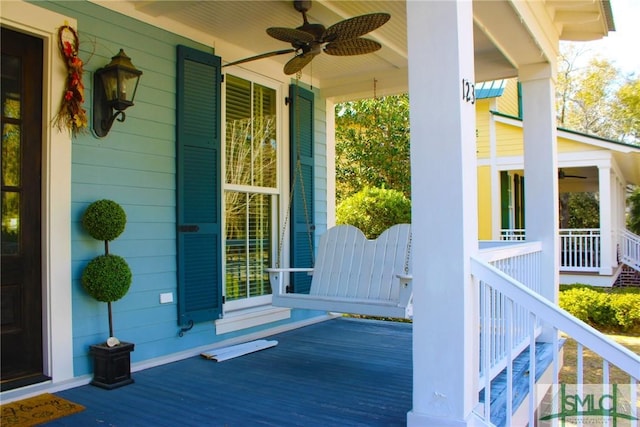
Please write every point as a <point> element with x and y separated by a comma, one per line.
<point>342,372</point>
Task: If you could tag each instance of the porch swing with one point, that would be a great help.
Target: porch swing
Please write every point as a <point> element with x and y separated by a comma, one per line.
<point>351,274</point>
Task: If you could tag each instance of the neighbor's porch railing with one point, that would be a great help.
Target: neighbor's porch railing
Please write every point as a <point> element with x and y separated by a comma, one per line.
<point>504,282</point>
<point>579,247</point>
<point>630,249</point>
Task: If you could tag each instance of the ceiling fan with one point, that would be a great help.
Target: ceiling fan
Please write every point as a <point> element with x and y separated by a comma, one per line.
<point>309,40</point>
<point>563,175</point>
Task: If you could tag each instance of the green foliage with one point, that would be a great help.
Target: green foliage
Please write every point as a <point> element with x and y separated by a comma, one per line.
<point>104,220</point>
<point>579,210</point>
<point>107,278</point>
<point>626,115</point>
<point>603,308</point>
<point>373,210</point>
<point>633,219</point>
<point>372,145</point>
<point>597,98</point>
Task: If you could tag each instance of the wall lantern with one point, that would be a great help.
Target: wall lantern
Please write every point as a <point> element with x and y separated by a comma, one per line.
<point>114,88</point>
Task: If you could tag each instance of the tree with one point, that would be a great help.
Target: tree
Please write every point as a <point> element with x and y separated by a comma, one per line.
<point>372,145</point>
<point>579,210</point>
<point>597,98</point>
<point>373,210</point>
<point>633,219</point>
<point>626,111</point>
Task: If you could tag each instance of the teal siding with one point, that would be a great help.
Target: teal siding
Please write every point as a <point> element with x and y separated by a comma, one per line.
<point>135,166</point>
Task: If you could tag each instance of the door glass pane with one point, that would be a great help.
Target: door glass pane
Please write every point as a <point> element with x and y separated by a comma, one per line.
<point>10,155</point>
<point>10,223</point>
<point>11,72</point>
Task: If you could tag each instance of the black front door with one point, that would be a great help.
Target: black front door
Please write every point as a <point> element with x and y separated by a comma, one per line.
<point>21,290</point>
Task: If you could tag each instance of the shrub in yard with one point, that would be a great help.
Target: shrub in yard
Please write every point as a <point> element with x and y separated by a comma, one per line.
<point>603,308</point>
<point>627,310</point>
<point>373,210</point>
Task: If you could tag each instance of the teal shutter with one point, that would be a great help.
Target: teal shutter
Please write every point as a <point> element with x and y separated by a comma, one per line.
<point>516,201</point>
<point>198,186</point>
<point>504,200</point>
<point>522,199</point>
<point>301,131</point>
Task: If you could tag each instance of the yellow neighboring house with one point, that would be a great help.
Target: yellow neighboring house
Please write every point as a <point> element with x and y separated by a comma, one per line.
<point>586,163</point>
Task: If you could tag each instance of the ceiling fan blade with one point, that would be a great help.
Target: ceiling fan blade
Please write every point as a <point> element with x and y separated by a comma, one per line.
<point>563,175</point>
<point>261,56</point>
<point>357,46</point>
<point>354,27</point>
<point>290,35</point>
<point>298,62</point>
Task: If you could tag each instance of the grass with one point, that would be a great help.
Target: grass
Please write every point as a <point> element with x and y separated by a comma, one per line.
<point>592,363</point>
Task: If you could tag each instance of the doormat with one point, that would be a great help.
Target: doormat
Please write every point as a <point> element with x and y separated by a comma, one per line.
<point>36,410</point>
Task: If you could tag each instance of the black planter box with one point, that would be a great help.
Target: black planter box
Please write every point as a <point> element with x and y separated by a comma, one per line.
<point>111,365</point>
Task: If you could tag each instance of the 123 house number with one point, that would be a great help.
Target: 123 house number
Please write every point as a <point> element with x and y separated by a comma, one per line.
<point>468,91</point>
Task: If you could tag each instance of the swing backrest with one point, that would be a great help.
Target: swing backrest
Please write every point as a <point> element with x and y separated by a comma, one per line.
<point>348,265</point>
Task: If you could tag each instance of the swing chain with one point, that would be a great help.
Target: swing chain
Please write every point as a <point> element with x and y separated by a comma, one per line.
<point>408,256</point>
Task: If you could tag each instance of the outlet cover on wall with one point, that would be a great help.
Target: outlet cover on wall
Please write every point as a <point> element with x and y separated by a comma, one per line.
<point>166,298</point>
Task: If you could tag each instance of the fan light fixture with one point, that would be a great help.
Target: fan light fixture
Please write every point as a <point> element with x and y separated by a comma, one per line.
<point>114,88</point>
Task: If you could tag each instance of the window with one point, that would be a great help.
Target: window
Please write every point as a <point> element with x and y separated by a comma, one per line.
<point>251,189</point>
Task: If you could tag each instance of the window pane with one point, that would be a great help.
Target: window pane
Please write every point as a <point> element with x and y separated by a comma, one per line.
<point>259,243</point>
<point>248,244</point>
<point>264,130</point>
<point>236,249</point>
<point>251,146</point>
<point>238,131</point>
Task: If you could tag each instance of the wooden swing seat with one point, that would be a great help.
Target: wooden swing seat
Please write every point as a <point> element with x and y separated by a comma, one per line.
<point>355,275</point>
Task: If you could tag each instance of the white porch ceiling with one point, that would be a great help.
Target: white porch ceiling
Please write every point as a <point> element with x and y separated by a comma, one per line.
<point>507,34</point>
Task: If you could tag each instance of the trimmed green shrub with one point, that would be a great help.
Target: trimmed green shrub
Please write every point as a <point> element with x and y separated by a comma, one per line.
<point>107,278</point>
<point>373,210</point>
<point>603,308</point>
<point>104,220</point>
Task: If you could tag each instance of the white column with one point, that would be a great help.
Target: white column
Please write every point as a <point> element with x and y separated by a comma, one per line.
<point>444,203</point>
<point>607,246</point>
<point>541,170</point>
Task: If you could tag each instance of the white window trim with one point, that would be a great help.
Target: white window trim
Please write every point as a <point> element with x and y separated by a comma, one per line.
<point>255,311</point>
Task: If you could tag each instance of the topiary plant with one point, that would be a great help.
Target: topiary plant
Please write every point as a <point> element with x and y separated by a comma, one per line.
<point>104,220</point>
<point>106,278</point>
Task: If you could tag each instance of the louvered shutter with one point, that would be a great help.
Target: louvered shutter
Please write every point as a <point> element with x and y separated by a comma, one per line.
<point>301,131</point>
<point>198,186</point>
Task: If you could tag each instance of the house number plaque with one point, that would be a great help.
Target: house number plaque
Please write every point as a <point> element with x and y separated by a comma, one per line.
<point>468,91</point>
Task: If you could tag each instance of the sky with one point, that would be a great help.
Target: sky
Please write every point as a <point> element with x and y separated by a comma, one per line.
<point>622,47</point>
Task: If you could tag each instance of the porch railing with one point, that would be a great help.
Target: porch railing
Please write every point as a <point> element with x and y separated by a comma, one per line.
<point>579,247</point>
<point>521,307</point>
<point>506,334</point>
<point>630,249</point>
